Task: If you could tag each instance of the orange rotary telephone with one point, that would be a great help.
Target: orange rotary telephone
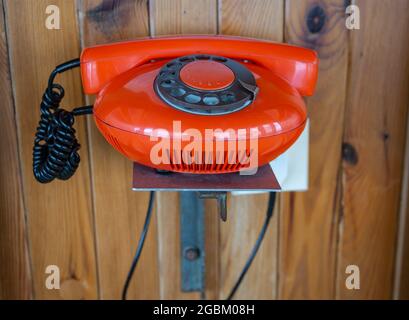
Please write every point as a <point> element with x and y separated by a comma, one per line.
<point>196,104</point>
<point>242,90</point>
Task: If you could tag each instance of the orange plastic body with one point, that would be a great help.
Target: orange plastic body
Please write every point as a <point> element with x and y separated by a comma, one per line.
<point>132,117</point>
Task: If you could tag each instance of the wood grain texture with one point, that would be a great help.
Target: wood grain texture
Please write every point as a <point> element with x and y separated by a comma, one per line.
<point>212,250</point>
<point>119,211</point>
<point>262,19</point>
<point>169,247</point>
<point>375,128</point>
<point>15,282</point>
<point>401,276</point>
<point>259,19</point>
<point>105,21</point>
<point>309,225</point>
<point>183,17</point>
<point>238,236</point>
<point>59,214</point>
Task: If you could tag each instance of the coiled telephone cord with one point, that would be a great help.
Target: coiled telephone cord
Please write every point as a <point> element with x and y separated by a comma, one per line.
<point>55,151</point>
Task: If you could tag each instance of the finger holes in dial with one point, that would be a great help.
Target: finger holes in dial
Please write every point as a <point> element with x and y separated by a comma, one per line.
<point>168,83</point>
<point>177,92</point>
<point>202,57</point>
<point>211,100</point>
<point>220,59</point>
<point>228,97</point>
<point>186,59</point>
<point>193,98</point>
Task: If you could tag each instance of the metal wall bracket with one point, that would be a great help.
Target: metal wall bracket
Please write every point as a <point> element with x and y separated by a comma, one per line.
<point>192,223</point>
<point>221,197</point>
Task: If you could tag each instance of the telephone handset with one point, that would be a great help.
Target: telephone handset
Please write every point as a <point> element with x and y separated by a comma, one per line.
<point>100,64</point>
<point>205,82</point>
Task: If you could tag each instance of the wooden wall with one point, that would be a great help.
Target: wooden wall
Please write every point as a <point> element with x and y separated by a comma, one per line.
<point>354,212</point>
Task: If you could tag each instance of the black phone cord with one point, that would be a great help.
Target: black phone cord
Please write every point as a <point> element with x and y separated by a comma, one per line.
<point>55,151</point>
<point>139,248</point>
<point>269,215</point>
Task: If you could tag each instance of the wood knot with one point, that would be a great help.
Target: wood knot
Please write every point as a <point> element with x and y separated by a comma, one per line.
<point>349,153</point>
<point>316,19</point>
<point>385,136</point>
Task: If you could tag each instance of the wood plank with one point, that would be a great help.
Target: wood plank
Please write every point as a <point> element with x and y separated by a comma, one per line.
<point>59,214</point>
<point>212,250</point>
<point>246,215</point>
<point>401,277</point>
<point>119,212</point>
<point>15,282</point>
<point>259,19</point>
<point>375,127</point>
<point>168,207</point>
<point>309,225</point>
<point>183,17</point>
